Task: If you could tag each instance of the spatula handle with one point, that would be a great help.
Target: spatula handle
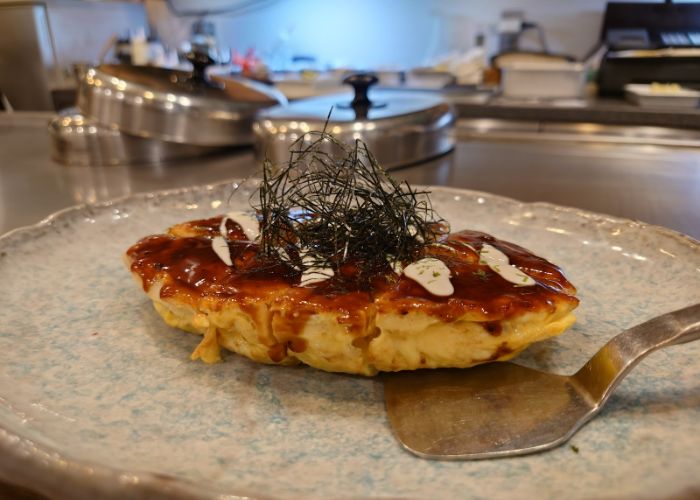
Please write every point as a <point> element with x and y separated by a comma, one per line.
<point>607,368</point>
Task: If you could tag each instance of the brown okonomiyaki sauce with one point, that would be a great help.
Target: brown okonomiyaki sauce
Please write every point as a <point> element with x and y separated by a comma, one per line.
<point>190,268</point>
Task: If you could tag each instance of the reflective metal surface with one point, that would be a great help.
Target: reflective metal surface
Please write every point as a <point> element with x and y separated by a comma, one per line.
<point>503,409</point>
<point>501,130</point>
<point>169,105</point>
<point>32,186</point>
<point>77,140</point>
<point>406,128</point>
<point>654,184</point>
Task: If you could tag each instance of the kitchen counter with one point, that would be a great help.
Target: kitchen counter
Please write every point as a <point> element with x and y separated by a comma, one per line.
<point>589,110</point>
<point>32,186</point>
<point>652,183</point>
<point>612,112</point>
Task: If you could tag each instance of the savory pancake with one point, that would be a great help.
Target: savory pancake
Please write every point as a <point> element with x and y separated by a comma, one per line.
<point>256,307</point>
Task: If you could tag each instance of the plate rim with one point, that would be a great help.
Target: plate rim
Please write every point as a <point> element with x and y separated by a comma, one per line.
<point>591,215</point>
<point>22,460</point>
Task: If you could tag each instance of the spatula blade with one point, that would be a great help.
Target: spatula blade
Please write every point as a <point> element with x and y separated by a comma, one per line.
<point>492,410</point>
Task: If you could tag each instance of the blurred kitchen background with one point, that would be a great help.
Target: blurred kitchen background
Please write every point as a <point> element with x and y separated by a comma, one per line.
<point>41,42</point>
<point>588,103</point>
<point>362,33</point>
<point>284,34</point>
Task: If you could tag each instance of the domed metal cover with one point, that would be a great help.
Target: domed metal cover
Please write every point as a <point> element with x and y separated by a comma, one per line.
<point>399,128</point>
<point>174,106</point>
<point>77,140</point>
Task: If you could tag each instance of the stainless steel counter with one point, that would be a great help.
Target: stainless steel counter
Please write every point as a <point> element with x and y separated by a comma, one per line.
<point>653,183</point>
<point>591,109</point>
<point>471,103</point>
<point>32,186</point>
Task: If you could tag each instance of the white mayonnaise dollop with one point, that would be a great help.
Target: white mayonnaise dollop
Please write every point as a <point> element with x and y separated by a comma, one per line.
<point>248,222</point>
<point>220,247</point>
<point>432,274</point>
<point>500,264</point>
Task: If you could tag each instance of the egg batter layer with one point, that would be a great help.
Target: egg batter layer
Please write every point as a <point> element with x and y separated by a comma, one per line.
<point>257,308</point>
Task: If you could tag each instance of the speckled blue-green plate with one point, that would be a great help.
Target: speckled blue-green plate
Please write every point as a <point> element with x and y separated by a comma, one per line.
<point>99,398</point>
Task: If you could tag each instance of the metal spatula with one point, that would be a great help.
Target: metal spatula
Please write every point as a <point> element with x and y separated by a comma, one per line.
<point>503,409</point>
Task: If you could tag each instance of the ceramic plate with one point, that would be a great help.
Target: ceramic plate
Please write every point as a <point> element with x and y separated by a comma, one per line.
<point>98,396</point>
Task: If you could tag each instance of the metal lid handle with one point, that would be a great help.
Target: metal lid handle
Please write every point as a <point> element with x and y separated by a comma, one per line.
<point>200,62</point>
<point>361,82</point>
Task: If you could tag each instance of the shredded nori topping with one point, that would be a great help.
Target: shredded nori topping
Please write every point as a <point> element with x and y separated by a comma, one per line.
<point>332,204</point>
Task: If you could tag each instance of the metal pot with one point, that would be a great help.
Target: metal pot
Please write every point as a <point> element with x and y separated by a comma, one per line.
<point>175,106</point>
<point>77,140</point>
<point>399,127</point>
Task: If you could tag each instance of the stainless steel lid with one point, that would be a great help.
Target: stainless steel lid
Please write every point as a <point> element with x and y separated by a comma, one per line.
<point>77,140</point>
<point>399,128</point>
<point>175,106</point>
